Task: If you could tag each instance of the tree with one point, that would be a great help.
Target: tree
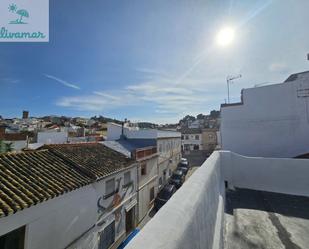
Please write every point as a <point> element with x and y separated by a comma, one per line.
<point>5,147</point>
<point>215,114</point>
<point>200,116</point>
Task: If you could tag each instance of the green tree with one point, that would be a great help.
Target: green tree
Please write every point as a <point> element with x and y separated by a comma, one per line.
<point>5,147</point>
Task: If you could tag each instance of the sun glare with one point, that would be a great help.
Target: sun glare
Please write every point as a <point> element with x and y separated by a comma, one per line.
<point>225,36</point>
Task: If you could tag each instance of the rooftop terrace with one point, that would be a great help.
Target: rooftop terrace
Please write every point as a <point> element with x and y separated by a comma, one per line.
<point>264,206</point>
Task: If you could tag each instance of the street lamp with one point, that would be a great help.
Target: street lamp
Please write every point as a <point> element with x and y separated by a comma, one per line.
<point>229,79</point>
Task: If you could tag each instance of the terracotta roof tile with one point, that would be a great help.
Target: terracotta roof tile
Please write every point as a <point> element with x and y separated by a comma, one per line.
<point>32,177</point>
<point>95,158</point>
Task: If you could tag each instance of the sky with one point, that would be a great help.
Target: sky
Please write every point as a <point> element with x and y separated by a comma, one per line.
<point>155,60</point>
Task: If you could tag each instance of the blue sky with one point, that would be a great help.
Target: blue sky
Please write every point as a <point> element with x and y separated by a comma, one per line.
<point>151,60</point>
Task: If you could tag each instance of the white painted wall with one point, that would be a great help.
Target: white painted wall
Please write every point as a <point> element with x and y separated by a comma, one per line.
<point>189,140</point>
<point>113,131</point>
<point>284,175</point>
<point>272,122</point>
<point>56,223</point>
<point>189,222</point>
<point>52,137</point>
<point>198,221</point>
<point>169,150</point>
<point>146,182</point>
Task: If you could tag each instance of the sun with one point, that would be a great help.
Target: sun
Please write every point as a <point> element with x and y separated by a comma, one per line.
<point>225,36</point>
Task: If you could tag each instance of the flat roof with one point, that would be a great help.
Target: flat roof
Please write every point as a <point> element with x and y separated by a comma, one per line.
<point>259,219</point>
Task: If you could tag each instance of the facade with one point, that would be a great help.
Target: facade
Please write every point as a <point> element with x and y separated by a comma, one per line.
<point>52,137</point>
<point>167,142</point>
<point>270,121</point>
<point>74,196</point>
<point>191,139</point>
<point>145,153</point>
<point>209,139</point>
<point>169,147</point>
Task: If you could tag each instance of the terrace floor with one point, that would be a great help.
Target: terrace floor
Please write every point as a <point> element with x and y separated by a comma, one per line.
<point>264,220</point>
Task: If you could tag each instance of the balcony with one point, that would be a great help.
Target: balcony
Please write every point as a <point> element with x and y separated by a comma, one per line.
<point>233,201</point>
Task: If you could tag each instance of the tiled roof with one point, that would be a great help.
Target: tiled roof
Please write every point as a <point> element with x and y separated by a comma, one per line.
<point>32,177</point>
<point>186,130</point>
<point>95,158</point>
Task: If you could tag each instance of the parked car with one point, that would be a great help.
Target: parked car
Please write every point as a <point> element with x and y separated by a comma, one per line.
<point>183,164</point>
<point>177,178</point>
<point>183,169</point>
<point>164,195</point>
<point>184,160</point>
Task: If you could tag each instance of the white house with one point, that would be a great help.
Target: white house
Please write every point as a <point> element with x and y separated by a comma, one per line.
<point>74,196</point>
<point>191,139</point>
<point>168,144</point>
<point>144,151</point>
<point>270,121</point>
<point>52,137</point>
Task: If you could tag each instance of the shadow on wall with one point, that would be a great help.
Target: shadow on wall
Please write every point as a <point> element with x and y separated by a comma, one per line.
<point>287,205</point>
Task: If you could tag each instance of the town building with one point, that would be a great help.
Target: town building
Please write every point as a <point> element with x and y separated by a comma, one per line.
<point>209,139</point>
<point>270,120</point>
<point>144,151</point>
<point>191,139</point>
<point>168,144</point>
<point>67,196</point>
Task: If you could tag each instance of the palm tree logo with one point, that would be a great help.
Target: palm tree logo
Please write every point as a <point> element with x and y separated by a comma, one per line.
<point>21,12</point>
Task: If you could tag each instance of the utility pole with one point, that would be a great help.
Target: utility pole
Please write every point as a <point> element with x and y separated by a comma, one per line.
<point>229,80</point>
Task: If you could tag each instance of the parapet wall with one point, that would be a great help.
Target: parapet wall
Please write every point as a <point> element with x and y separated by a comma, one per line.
<point>194,216</point>
<point>280,175</point>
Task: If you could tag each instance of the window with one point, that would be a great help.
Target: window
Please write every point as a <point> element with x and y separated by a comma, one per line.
<point>143,169</point>
<point>197,137</point>
<point>187,137</point>
<point>160,147</point>
<point>13,240</point>
<point>151,194</point>
<point>182,137</point>
<point>210,136</point>
<point>196,147</point>
<point>127,178</point>
<point>107,237</point>
<point>109,188</point>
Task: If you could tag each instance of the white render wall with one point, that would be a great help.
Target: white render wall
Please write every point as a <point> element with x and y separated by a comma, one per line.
<point>191,141</point>
<point>58,223</point>
<point>146,183</point>
<point>114,132</point>
<point>194,216</point>
<point>272,122</point>
<point>52,137</point>
<point>284,175</point>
